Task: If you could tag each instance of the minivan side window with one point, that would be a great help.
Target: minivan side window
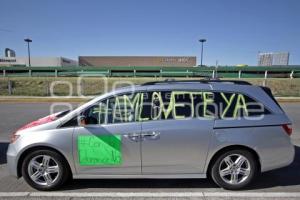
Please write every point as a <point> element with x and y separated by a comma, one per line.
<point>97,113</point>
<point>237,105</point>
<point>165,105</point>
<point>162,105</point>
<point>118,109</point>
<point>123,108</point>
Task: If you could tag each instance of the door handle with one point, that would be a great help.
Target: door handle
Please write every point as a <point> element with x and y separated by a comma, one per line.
<point>133,136</point>
<point>152,134</point>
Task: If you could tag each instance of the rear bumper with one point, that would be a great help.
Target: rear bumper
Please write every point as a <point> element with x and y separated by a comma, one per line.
<point>283,159</point>
<point>12,163</point>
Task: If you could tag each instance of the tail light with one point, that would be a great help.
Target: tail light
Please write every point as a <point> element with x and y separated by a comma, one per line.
<point>288,129</point>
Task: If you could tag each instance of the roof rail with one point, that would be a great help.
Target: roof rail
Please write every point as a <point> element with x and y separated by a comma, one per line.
<point>204,81</point>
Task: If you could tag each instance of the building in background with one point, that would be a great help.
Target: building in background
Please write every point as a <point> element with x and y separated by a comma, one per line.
<point>161,61</point>
<point>38,61</point>
<point>273,59</point>
<point>9,53</point>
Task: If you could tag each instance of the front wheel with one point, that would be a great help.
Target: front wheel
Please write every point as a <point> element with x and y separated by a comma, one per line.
<point>44,170</point>
<point>234,169</point>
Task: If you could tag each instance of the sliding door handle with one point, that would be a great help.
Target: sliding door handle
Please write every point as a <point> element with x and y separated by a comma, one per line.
<point>152,134</point>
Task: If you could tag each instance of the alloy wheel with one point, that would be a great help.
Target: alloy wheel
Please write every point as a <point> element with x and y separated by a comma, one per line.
<point>43,170</point>
<point>234,169</point>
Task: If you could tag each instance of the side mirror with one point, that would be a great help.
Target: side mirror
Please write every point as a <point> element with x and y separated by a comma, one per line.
<point>82,120</point>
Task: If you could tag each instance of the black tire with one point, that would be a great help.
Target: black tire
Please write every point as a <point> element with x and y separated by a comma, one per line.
<point>252,175</point>
<point>62,177</point>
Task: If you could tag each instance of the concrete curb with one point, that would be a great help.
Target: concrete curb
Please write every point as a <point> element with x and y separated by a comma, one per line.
<point>288,99</point>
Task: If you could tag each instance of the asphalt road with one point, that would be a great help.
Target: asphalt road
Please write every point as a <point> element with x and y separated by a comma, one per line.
<point>12,116</point>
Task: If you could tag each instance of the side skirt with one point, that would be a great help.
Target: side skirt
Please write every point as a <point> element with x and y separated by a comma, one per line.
<point>144,176</point>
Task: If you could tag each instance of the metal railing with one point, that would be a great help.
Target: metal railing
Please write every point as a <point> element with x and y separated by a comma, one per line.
<point>135,71</point>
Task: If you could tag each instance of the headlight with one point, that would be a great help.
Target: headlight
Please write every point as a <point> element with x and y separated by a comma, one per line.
<point>14,137</point>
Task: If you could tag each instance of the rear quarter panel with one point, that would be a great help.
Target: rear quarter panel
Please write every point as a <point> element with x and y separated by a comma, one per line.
<point>272,145</point>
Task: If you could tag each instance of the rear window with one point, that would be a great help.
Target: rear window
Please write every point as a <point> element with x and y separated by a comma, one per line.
<point>269,93</point>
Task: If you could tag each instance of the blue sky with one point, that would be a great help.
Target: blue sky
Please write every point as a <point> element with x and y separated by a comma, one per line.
<point>235,29</point>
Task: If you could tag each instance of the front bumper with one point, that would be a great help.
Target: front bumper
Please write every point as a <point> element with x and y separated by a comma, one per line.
<point>12,163</point>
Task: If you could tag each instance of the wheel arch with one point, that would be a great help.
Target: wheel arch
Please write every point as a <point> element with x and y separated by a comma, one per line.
<point>35,148</point>
<point>229,148</point>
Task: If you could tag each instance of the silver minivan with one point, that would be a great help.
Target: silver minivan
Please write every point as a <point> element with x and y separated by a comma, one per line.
<point>230,131</point>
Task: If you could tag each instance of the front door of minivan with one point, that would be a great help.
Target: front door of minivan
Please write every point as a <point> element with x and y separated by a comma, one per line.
<point>109,142</point>
<point>174,140</point>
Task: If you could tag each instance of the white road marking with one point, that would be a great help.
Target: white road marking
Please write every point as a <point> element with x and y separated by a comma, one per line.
<point>150,194</point>
<point>118,194</point>
<point>252,194</point>
<point>14,194</point>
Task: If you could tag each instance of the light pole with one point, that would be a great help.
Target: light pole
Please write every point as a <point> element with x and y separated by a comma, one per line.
<point>28,48</point>
<point>202,41</point>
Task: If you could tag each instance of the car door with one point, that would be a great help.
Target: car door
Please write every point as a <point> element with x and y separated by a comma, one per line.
<point>109,142</point>
<point>175,135</point>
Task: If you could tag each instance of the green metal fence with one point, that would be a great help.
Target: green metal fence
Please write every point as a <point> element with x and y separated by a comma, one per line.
<point>154,71</point>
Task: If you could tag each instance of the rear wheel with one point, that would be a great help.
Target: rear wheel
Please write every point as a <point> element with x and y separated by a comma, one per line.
<point>45,170</point>
<point>234,169</point>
